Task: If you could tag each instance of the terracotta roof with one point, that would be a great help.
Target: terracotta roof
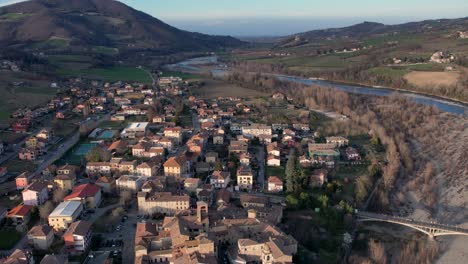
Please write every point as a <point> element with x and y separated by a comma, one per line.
<point>20,210</point>
<point>175,162</point>
<point>275,180</point>
<point>104,179</point>
<point>220,175</point>
<point>83,191</point>
<point>37,186</point>
<point>80,228</point>
<point>40,230</point>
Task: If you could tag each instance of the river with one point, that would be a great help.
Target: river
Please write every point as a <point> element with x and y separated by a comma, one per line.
<point>200,64</point>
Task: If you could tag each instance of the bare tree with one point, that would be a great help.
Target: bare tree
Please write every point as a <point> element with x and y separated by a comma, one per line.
<point>377,252</point>
<point>125,197</point>
<point>58,195</point>
<point>45,210</point>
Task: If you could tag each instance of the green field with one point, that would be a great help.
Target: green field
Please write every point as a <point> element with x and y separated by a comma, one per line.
<point>275,171</point>
<point>9,238</point>
<point>113,74</point>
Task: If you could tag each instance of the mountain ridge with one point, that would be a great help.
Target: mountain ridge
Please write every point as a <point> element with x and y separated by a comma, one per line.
<point>97,23</point>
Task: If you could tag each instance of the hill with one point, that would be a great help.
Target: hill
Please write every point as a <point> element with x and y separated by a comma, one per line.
<point>370,29</point>
<point>46,24</point>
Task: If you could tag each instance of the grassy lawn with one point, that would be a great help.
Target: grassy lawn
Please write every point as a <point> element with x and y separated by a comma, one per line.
<point>275,171</point>
<point>182,75</point>
<point>129,74</point>
<point>53,43</point>
<point>350,172</point>
<point>19,166</point>
<point>9,238</point>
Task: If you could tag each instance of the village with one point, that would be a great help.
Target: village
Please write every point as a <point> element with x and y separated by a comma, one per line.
<point>155,174</point>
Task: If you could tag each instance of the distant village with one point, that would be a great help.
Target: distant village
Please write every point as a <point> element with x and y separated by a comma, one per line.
<point>186,177</point>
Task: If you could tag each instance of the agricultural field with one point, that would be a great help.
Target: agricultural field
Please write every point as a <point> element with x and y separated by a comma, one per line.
<point>13,16</point>
<point>183,75</point>
<point>216,88</point>
<point>130,74</point>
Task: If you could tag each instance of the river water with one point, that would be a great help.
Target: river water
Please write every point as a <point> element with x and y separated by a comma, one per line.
<point>195,65</point>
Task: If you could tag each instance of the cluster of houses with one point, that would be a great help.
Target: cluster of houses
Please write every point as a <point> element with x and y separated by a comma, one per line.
<point>206,180</point>
<point>36,145</point>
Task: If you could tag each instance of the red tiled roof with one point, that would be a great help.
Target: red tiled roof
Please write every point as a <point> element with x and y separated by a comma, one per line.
<point>21,210</point>
<point>83,191</point>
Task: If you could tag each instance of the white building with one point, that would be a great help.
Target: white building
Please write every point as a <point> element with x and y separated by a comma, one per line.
<point>135,130</point>
<point>220,179</point>
<point>130,183</point>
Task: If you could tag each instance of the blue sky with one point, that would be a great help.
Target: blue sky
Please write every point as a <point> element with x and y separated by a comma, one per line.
<point>279,17</point>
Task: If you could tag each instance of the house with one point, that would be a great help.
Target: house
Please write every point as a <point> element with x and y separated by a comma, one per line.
<point>127,166</point>
<point>158,119</point>
<point>130,183</point>
<point>249,201</point>
<point>46,134</point>
<point>238,147</point>
<point>64,214</point>
<point>153,185</point>
<point>64,182</point>
<point>67,170</point>
<point>28,154</point>
<point>93,168</point>
<point>218,139</point>
<point>162,202</point>
<point>352,154</point>
<point>20,214</point>
<point>275,184</point>
<point>78,237</point>
<point>256,130</point>
<point>174,133</point>
<point>278,96</point>
<point>244,159</point>
<point>318,178</point>
<point>223,197</point>
<point>273,149</point>
<point>191,184</point>
<point>273,161</point>
<point>211,157</point>
<point>35,194</point>
<point>19,256</point>
<point>176,167</point>
<point>41,237</point>
<point>22,180</point>
<point>206,194</point>
<point>338,141</point>
<point>118,147</point>
<point>220,179</point>
<point>107,184</point>
<point>88,194</point>
<point>147,169</point>
<point>245,178</point>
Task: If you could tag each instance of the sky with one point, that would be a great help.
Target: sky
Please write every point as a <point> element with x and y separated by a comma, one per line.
<point>284,17</point>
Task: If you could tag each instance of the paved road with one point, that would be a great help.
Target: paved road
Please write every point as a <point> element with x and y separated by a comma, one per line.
<point>260,154</point>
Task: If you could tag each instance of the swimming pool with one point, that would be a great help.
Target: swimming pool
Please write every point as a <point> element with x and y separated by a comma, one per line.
<point>108,134</point>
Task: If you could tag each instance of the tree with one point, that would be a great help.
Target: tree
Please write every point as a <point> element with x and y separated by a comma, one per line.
<point>323,199</point>
<point>290,172</point>
<point>117,211</point>
<point>218,166</point>
<point>45,210</point>
<point>58,195</point>
<point>94,155</point>
<point>292,201</point>
<point>125,197</point>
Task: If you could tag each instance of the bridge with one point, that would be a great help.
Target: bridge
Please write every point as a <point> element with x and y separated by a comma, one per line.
<point>431,229</point>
